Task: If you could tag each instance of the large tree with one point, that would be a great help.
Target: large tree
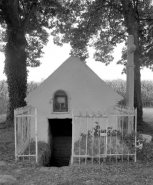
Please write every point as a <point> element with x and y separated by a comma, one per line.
<point>105,23</point>
<point>23,32</point>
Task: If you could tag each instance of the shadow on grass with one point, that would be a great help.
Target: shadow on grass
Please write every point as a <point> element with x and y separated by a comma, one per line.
<point>2,118</point>
<point>7,147</point>
<point>145,128</point>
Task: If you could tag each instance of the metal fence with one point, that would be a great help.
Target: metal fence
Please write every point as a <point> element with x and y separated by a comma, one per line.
<point>147,104</point>
<point>104,137</point>
<point>25,133</point>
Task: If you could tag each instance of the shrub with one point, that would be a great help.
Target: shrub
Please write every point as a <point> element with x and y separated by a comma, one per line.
<point>146,153</point>
<point>145,128</point>
<point>118,85</point>
<point>117,143</point>
<point>146,89</point>
<point>32,86</point>
<point>3,97</point>
<point>44,153</point>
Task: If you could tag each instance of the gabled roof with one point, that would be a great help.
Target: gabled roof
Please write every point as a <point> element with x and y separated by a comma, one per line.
<point>82,85</point>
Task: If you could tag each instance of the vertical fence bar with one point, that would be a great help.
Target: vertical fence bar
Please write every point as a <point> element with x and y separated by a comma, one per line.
<point>86,137</point>
<point>93,136</point>
<point>36,136</point>
<point>22,133</point>
<point>28,130</point>
<point>129,122</point>
<point>106,135</point>
<point>117,120</point>
<point>122,135</point>
<point>110,144</point>
<point>99,137</point>
<point>30,119</point>
<point>15,133</point>
<point>135,113</point>
<point>79,137</point>
<point>22,122</point>
<point>73,122</point>
<point>120,138</point>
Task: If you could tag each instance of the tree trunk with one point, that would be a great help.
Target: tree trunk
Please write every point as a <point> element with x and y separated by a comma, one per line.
<point>137,76</point>
<point>15,70</point>
<point>137,87</point>
<point>137,83</point>
<point>132,25</point>
<point>134,30</point>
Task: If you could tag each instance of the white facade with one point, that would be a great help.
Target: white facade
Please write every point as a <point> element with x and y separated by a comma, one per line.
<point>84,89</point>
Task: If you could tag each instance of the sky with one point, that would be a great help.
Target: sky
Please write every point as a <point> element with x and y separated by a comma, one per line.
<point>54,56</point>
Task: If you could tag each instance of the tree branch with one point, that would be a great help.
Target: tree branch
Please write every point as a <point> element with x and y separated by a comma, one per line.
<point>149,19</point>
<point>16,5</point>
<point>29,14</point>
<point>10,12</point>
<point>22,3</point>
<point>1,1</point>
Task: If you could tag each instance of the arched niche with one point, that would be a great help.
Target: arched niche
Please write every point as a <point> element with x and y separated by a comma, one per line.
<point>60,101</point>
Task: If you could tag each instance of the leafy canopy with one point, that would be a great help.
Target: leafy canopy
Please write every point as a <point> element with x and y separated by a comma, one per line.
<point>32,17</point>
<point>102,25</point>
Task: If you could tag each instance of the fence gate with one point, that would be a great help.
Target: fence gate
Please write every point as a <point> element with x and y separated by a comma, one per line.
<point>98,138</point>
<point>26,147</point>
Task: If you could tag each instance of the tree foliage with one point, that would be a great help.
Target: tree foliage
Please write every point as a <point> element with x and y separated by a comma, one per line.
<point>33,17</point>
<point>3,97</point>
<point>23,34</point>
<point>103,24</point>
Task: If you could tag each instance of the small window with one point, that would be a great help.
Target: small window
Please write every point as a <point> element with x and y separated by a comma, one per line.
<point>60,102</point>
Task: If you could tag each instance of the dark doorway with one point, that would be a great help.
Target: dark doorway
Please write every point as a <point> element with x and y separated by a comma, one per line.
<point>60,134</point>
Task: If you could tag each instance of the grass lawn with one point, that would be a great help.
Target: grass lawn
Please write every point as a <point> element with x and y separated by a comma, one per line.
<point>148,115</point>
<point>2,118</point>
<point>120,174</point>
<point>108,174</point>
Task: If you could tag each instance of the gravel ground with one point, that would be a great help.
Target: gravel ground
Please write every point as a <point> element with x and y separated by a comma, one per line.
<point>118,174</point>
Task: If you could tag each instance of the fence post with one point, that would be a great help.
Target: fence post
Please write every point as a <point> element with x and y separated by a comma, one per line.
<point>130,71</point>
<point>135,113</point>
<point>72,152</point>
<point>86,138</point>
<point>36,136</point>
<point>15,135</point>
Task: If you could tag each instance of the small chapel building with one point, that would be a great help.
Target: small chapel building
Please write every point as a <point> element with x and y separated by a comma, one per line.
<point>70,89</point>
